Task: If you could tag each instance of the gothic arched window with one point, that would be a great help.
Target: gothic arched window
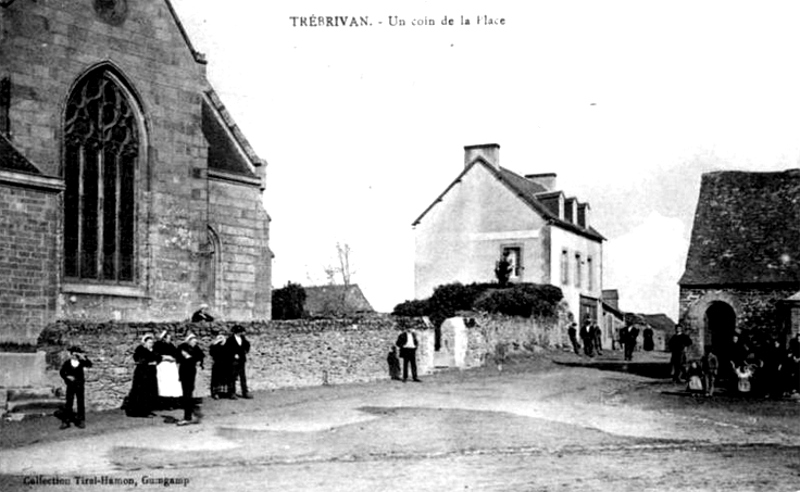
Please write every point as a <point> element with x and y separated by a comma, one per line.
<point>102,143</point>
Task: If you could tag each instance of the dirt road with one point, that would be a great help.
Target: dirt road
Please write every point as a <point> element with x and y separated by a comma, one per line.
<point>538,425</point>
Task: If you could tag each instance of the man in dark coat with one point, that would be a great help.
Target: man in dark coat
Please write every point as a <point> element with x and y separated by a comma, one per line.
<point>408,343</point>
<point>586,338</point>
<point>72,374</point>
<point>630,334</point>
<point>237,348</point>
<point>678,344</point>
<point>189,357</point>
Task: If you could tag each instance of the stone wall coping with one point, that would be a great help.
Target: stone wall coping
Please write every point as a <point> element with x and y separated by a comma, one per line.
<point>24,180</point>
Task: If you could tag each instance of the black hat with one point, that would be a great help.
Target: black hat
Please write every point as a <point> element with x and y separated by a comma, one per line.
<point>75,350</point>
<point>237,329</point>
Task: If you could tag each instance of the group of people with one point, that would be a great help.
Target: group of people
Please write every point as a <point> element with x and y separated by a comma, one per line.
<point>164,375</point>
<point>591,336</point>
<point>749,365</point>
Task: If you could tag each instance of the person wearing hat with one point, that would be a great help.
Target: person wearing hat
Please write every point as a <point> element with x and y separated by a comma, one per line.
<point>221,369</point>
<point>202,314</point>
<point>189,357</point>
<point>72,374</point>
<point>237,348</point>
<point>143,397</point>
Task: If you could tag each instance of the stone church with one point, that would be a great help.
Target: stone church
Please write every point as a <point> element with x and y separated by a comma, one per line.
<point>127,192</point>
<point>743,267</point>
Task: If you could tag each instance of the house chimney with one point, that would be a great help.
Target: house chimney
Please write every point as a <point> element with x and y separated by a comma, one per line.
<point>489,152</point>
<point>611,297</point>
<point>583,215</point>
<point>545,180</point>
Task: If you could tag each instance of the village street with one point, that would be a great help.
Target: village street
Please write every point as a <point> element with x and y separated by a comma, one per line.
<point>537,425</point>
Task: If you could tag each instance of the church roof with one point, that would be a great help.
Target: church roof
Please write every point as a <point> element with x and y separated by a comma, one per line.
<point>229,151</point>
<point>746,229</point>
<point>12,160</point>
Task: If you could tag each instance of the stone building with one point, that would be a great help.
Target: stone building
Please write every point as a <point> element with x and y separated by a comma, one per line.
<point>127,192</point>
<point>488,212</point>
<point>743,265</point>
<point>335,300</point>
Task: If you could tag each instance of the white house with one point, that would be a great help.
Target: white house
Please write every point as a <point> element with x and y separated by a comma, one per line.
<point>489,211</point>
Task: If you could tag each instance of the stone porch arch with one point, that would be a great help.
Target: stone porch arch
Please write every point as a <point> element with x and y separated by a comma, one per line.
<point>696,318</point>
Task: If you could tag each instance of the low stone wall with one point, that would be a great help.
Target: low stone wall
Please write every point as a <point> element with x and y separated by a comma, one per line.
<point>282,354</point>
<point>494,336</point>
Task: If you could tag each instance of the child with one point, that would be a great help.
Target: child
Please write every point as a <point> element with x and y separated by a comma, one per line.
<point>695,375</point>
<point>72,374</point>
<point>710,368</point>
<point>394,364</point>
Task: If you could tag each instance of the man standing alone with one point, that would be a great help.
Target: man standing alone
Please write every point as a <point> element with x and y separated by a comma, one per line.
<point>238,347</point>
<point>408,343</point>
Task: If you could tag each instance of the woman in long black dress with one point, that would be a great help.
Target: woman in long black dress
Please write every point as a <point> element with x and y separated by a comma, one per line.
<point>221,370</point>
<point>143,398</point>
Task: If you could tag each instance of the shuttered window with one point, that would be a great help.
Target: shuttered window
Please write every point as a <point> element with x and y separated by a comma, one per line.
<point>100,159</point>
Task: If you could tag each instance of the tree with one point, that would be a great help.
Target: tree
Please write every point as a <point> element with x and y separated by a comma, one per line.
<point>287,302</point>
<point>340,274</point>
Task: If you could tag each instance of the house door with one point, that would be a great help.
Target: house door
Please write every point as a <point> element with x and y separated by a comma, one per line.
<point>720,321</point>
<point>588,310</point>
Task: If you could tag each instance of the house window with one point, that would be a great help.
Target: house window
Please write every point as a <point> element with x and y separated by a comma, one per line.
<point>564,267</point>
<point>578,270</point>
<point>590,273</point>
<point>101,149</point>
<point>514,256</point>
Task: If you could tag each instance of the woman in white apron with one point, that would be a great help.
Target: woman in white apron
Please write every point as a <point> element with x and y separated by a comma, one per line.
<point>169,385</point>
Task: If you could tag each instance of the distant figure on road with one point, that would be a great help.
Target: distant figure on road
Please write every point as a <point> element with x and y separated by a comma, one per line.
<point>408,343</point>
<point>677,347</point>
<point>394,364</point>
<point>629,335</point>
<point>586,338</point>
<point>597,338</point>
<point>202,314</point>
<point>647,344</point>
<point>72,374</point>
<point>573,338</point>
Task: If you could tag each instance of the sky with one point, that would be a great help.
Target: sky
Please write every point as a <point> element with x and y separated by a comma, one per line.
<point>629,102</point>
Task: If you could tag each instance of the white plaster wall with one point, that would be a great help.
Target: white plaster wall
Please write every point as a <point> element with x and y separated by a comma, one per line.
<point>561,239</point>
<point>460,238</point>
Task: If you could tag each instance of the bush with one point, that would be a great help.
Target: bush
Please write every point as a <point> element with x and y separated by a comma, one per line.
<point>518,300</point>
<point>414,308</point>
<point>287,302</point>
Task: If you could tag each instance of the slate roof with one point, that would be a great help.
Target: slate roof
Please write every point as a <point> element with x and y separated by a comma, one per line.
<point>746,230</point>
<point>12,160</point>
<point>660,322</point>
<point>228,150</point>
<point>527,191</point>
<point>327,299</point>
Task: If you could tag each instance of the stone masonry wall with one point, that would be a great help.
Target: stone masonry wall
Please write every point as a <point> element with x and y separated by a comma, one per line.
<point>494,336</point>
<point>757,310</point>
<point>28,262</point>
<point>244,263</point>
<point>282,354</point>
